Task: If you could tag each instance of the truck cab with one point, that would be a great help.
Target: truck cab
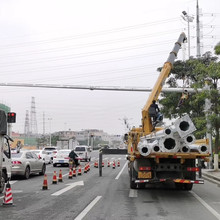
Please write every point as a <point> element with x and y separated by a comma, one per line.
<point>6,163</point>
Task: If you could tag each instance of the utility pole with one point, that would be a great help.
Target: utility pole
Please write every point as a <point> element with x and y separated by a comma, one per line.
<point>50,119</point>
<point>188,19</point>
<point>197,31</point>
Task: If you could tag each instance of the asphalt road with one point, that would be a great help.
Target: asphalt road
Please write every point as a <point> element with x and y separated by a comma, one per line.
<point>90,197</point>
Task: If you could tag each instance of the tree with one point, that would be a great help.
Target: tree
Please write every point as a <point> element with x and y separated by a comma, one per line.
<point>217,49</point>
<point>194,73</point>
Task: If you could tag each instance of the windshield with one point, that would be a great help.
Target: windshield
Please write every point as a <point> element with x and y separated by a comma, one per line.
<point>63,153</point>
<point>18,155</point>
<point>50,148</point>
<point>80,149</point>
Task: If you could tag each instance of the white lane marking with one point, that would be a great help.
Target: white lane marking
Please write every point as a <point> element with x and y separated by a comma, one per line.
<point>133,193</point>
<point>216,214</point>
<point>88,208</point>
<point>66,174</point>
<point>70,186</point>
<point>13,181</point>
<point>117,177</point>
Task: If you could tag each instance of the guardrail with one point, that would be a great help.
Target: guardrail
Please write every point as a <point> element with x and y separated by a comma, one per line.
<point>107,151</point>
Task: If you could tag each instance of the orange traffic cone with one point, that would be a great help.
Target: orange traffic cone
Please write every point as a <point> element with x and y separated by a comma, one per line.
<point>8,200</point>
<point>113,165</point>
<point>118,163</point>
<point>60,176</point>
<point>79,171</point>
<point>96,164</point>
<point>45,184</point>
<point>88,167</point>
<point>54,177</point>
<point>108,163</point>
<point>74,171</point>
<point>70,174</point>
<point>85,169</point>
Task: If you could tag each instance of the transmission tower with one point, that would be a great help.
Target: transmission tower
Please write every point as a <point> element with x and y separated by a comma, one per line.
<point>27,125</point>
<point>33,120</point>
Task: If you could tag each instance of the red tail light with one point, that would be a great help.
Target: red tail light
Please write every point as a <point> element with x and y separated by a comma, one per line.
<point>16,162</point>
<point>66,158</point>
<point>193,169</point>
<point>144,168</point>
<point>39,157</point>
<point>54,156</point>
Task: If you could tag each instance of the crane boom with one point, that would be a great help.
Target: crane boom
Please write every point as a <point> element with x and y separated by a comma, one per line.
<point>146,120</point>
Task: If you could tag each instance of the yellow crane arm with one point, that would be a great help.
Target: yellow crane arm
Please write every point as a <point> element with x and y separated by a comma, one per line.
<point>146,120</point>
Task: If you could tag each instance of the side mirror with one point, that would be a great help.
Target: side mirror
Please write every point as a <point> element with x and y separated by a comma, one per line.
<point>3,123</point>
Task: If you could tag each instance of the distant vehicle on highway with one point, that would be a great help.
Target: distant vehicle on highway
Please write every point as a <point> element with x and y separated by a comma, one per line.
<point>84,152</point>
<point>44,155</point>
<point>25,163</point>
<point>62,158</point>
<point>52,151</point>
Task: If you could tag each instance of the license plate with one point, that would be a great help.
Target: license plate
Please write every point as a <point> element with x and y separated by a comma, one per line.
<point>61,161</point>
<point>144,175</point>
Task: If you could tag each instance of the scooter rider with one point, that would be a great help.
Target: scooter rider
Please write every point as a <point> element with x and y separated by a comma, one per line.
<point>73,156</point>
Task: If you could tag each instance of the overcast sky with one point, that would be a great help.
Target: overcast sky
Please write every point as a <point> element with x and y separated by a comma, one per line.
<point>95,43</point>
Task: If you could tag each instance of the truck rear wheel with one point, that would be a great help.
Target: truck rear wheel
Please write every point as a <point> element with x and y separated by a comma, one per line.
<point>188,186</point>
<point>133,185</point>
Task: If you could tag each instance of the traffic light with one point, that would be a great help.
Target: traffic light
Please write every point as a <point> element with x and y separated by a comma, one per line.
<point>11,117</point>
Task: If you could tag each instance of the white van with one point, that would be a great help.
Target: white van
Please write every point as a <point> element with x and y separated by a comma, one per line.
<point>84,152</point>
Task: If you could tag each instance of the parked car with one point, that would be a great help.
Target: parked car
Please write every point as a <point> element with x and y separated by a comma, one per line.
<point>84,152</point>
<point>44,155</point>
<point>25,163</point>
<point>62,158</point>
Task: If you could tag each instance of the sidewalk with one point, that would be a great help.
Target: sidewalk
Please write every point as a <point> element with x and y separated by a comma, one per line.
<point>210,174</point>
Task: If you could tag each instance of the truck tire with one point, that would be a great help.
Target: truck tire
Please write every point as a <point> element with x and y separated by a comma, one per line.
<point>179,186</point>
<point>133,185</point>
<point>3,181</point>
<point>188,186</point>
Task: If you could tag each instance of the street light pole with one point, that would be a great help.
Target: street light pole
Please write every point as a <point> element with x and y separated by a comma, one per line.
<point>188,19</point>
<point>50,129</point>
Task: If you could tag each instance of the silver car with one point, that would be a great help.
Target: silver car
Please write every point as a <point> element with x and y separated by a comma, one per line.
<point>26,163</point>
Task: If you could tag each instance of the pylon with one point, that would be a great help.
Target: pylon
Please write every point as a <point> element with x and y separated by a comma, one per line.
<point>113,165</point>
<point>54,177</point>
<point>45,184</point>
<point>85,169</point>
<point>103,164</point>
<point>8,200</point>
<point>60,176</point>
<point>108,163</point>
<point>96,164</point>
<point>88,168</point>
<point>79,171</point>
<point>74,171</point>
<point>118,163</point>
<point>70,174</point>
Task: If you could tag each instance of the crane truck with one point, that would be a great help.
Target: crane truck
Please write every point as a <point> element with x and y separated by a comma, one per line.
<point>5,151</point>
<point>169,154</point>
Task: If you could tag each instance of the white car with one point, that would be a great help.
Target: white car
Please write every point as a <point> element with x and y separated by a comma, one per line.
<point>62,158</point>
<point>44,155</point>
<point>52,151</point>
<point>84,152</point>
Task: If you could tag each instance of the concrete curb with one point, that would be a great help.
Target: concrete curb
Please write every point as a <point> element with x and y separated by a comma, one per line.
<point>209,174</point>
